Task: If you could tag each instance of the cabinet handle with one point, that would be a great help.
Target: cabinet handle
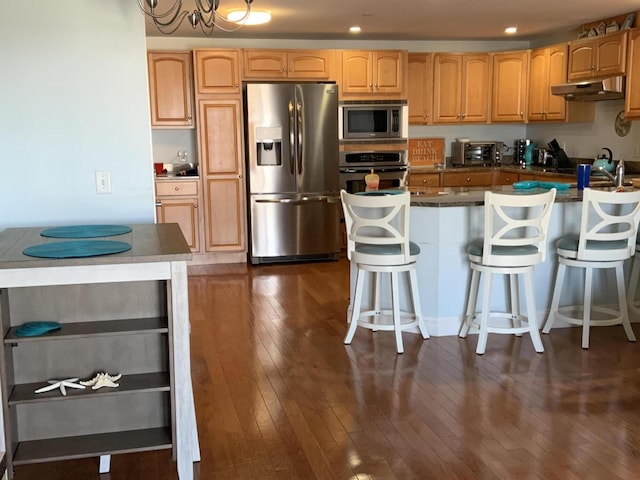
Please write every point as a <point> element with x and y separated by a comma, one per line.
<point>158,204</point>
<point>177,189</point>
<point>464,115</point>
<point>468,179</point>
<point>424,181</point>
<point>522,114</point>
<point>189,117</point>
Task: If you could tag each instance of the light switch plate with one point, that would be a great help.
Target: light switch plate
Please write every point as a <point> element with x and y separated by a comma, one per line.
<point>103,181</point>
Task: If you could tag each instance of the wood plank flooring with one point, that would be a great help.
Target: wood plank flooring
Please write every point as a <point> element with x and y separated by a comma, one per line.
<point>278,395</point>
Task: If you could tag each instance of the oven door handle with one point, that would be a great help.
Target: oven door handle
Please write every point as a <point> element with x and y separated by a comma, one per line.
<point>368,170</point>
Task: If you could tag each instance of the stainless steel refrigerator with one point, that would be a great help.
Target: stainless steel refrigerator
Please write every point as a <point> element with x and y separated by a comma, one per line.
<point>293,174</point>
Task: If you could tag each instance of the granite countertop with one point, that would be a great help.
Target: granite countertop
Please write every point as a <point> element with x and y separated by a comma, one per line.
<point>471,196</point>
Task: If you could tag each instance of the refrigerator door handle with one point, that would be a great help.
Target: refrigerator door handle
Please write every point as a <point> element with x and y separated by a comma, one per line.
<point>300,130</point>
<point>291,139</point>
<point>299,201</point>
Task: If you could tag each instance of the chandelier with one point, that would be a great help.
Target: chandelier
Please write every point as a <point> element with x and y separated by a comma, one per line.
<point>205,15</point>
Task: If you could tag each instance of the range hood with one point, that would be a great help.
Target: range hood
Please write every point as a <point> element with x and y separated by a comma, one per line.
<point>591,91</point>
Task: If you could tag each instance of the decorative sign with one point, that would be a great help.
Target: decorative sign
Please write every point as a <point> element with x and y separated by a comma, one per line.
<point>426,152</point>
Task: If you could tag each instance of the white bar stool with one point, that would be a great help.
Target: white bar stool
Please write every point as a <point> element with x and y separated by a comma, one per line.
<point>607,238</point>
<point>515,240</point>
<point>632,303</point>
<point>378,242</point>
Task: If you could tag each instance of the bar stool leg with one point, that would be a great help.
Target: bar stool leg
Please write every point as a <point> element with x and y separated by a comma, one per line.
<point>555,302</point>
<point>417,309</point>
<point>531,312</point>
<point>514,294</point>
<point>376,296</point>
<point>622,302</point>
<point>586,319</point>
<point>355,310</point>
<point>395,300</point>
<point>471,304</point>
<point>484,316</point>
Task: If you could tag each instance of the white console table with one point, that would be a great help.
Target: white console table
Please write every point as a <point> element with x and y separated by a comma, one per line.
<point>123,313</point>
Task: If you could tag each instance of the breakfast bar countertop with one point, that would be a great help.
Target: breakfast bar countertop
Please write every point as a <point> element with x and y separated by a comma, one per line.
<point>470,196</point>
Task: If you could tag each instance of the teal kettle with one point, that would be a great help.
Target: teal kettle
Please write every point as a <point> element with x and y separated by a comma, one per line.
<point>604,162</point>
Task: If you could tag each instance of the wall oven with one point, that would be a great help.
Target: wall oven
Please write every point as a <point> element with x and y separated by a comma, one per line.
<point>373,120</point>
<point>391,167</point>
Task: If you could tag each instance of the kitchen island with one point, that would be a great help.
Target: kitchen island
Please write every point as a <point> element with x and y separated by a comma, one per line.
<point>124,313</point>
<point>445,220</point>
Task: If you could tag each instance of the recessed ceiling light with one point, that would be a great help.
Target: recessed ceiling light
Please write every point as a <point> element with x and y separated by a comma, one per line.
<point>355,29</point>
<point>511,30</point>
<point>256,17</point>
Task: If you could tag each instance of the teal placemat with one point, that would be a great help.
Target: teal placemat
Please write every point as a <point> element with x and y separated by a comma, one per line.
<point>76,248</point>
<point>85,231</point>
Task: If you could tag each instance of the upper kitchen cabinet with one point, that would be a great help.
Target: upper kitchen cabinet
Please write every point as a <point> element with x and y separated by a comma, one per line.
<point>218,71</point>
<point>632,99</point>
<point>548,66</point>
<point>369,74</point>
<point>461,85</point>
<point>509,97</point>
<point>595,57</point>
<point>170,89</point>
<point>420,88</point>
<point>262,64</point>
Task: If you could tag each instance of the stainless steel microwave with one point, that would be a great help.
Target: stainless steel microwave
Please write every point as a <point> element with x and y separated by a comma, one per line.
<point>373,120</point>
<point>478,153</point>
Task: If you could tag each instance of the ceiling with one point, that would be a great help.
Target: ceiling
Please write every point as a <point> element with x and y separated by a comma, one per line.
<point>413,19</point>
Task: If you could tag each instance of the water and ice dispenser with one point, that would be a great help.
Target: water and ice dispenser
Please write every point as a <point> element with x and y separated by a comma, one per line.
<point>269,146</point>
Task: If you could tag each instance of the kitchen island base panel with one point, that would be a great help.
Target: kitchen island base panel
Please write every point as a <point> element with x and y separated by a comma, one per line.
<point>444,277</point>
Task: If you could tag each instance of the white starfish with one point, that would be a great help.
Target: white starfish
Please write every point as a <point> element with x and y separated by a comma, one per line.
<point>102,380</point>
<point>61,384</point>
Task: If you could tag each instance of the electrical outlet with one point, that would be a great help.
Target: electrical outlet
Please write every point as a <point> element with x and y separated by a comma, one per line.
<point>636,151</point>
<point>103,181</point>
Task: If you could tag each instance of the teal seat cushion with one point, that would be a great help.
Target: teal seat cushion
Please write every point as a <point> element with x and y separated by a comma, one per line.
<point>570,243</point>
<point>414,249</point>
<point>476,249</point>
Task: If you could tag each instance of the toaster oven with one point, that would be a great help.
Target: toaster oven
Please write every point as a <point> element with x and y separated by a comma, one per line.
<point>476,153</point>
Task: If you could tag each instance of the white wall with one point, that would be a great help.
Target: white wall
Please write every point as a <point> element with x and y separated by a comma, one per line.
<point>587,139</point>
<point>74,99</point>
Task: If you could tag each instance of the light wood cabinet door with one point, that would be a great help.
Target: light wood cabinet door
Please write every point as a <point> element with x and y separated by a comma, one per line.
<point>170,89</point>
<point>225,217</point>
<point>424,180</point>
<point>265,64</point>
<point>461,88</point>
<point>184,212</point>
<point>221,159</point>
<point>292,64</point>
<point>217,71</point>
<point>598,57</point>
<point>388,72</point>
<point>509,86</point>
<point>467,179</point>
<point>311,64</point>
<point>373,74</point>
<point>420,88</point>
<point>447,87</point>
<point>632,98</point>
<point>476,84</point>
<point>548,66</point>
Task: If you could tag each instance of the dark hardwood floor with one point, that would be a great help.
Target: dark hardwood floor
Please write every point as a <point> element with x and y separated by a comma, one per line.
<point>278,395</point>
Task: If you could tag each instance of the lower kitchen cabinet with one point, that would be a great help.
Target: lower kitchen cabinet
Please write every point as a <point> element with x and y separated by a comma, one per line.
<point>177,201</point>
<point>424,180</point>
<point>505,178</point>
<point>121,314</point>
<point>467,179</point>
